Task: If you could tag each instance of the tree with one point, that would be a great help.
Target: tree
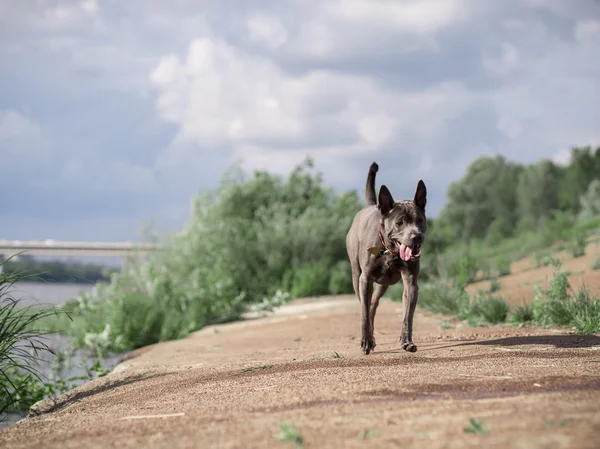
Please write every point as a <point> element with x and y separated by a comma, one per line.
<point>537,193</point>
<point>484,197</point>
<point>577,176</point>
<point>590,201</point>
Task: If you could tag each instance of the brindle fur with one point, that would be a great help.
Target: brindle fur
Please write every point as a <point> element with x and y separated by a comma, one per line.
<point>403,221</point>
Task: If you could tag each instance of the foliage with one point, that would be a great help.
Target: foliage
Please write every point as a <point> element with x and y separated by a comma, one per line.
<point>578,242</point>
<point>485,308</point>
<point>244,243</point>
<point>590,201</point>
<point>522,314</point>
<point>22,345</point>
<point>289,433</point>
<point>538,190</point>
<point>340,281</point>
<point>476,426</point>
<point>485,198</point>
<point>558,306</point>
<point>256,241</point>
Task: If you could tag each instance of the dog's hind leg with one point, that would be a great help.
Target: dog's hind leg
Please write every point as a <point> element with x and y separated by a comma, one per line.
<point>409,303</point>
<point>377,295</point>
<point>366,293</point>
<point>355,278</point>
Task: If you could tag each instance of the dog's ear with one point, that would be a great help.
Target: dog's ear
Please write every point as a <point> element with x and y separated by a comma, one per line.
<point>421,195</point>
<point>386,201</point>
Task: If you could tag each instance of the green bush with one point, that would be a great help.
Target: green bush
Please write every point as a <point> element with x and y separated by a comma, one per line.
<point>22,344</point>
<point>578,242</point>
<point>311,280</point>
<point>522,314</point>
<point>485,308</point>
<point>503,265</point>
<point>441,297</point>
<point>495,285</point>
<point>556,306</point>
<point>246,244</point>
<point>467,271</point>
<point>340,281</point>
<point>596,264</point>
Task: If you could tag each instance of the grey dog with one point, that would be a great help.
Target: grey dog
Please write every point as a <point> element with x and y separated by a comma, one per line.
<point>384,245</point>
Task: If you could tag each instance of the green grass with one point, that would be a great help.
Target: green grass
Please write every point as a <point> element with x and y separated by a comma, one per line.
<point>495,285</point>
<point>476,426</point>
<point>441,297</point>
<point>290,434</point>
<point>485,308</point>
<point>559,306</point>
<point>522,314</point>
<point>22,342</point>
<point>22,345</point>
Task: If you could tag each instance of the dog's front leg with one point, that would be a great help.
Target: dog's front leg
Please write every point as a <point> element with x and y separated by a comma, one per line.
<point>366,292</point>
<point>409,303</point>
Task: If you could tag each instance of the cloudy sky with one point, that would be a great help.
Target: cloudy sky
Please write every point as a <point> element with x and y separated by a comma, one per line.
<point>115,113</point>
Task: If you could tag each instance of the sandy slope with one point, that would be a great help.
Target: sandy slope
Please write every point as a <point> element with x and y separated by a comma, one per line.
<point>233,385</point>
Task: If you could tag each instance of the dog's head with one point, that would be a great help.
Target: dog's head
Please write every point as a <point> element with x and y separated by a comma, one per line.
<point>404,222</point>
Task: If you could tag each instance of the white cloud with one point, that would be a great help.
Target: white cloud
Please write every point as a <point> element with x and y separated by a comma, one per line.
<point>411,16</point>
<point>350,29</point>
<point>587,29</point>
<point>504,63</point>
<point>222,98</point>
<point>266,30</point>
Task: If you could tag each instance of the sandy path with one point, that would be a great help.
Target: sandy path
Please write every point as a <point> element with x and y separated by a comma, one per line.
<point>233,385</point>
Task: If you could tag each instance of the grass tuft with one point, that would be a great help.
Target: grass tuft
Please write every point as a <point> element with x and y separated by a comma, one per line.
<point>22,342</point>
<point>476,426</point>
<point>289,433</point>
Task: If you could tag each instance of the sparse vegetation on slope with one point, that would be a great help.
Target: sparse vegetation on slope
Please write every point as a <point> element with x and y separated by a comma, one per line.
<point>256,242</point>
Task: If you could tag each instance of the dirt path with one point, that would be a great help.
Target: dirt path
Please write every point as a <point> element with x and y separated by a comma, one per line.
<point>233,385</point>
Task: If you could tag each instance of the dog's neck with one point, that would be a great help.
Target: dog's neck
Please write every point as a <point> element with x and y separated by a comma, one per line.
<point>395,254</point>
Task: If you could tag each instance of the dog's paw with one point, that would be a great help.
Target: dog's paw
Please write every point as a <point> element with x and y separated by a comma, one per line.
<point>367,345</point>
<point>408,345</point>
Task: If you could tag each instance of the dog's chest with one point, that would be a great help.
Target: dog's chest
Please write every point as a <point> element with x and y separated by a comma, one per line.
<point>387,270</point>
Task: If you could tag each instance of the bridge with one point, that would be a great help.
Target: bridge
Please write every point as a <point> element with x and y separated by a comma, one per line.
<point>55,248</point>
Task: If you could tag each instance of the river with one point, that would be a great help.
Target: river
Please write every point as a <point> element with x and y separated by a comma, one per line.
<point>53,294</point>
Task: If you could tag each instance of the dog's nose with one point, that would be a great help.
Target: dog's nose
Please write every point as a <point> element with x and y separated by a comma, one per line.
<point>418,238</point>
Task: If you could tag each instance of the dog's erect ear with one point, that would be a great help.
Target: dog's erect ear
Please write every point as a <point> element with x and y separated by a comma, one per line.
<point>421,195</point>
<point>386,201</point>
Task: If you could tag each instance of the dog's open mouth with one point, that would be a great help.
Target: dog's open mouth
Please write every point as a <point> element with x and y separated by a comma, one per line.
<point>408,253</point>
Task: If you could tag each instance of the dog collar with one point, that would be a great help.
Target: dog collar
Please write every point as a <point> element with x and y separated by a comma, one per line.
<point>387,250</point>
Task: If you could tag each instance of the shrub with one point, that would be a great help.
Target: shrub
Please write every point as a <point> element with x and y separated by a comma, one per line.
<point>522,314</point>
<point>440,297</point>
<point>578,242</point>
<point>244,243</point>
<point>495,285</point>
<point>311,280</point>
<point>596,264</point>
<point>22,343</point>
<point>555,306</point>
<point>503,266</point>
<point>340,281</point>
<point>467,271</point>
<point>485,308</point>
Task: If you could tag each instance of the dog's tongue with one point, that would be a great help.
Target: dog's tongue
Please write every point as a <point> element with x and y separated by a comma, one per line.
<point>405,252</point>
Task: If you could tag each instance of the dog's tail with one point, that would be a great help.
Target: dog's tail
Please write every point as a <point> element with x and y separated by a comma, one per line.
<point>370,196</point>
